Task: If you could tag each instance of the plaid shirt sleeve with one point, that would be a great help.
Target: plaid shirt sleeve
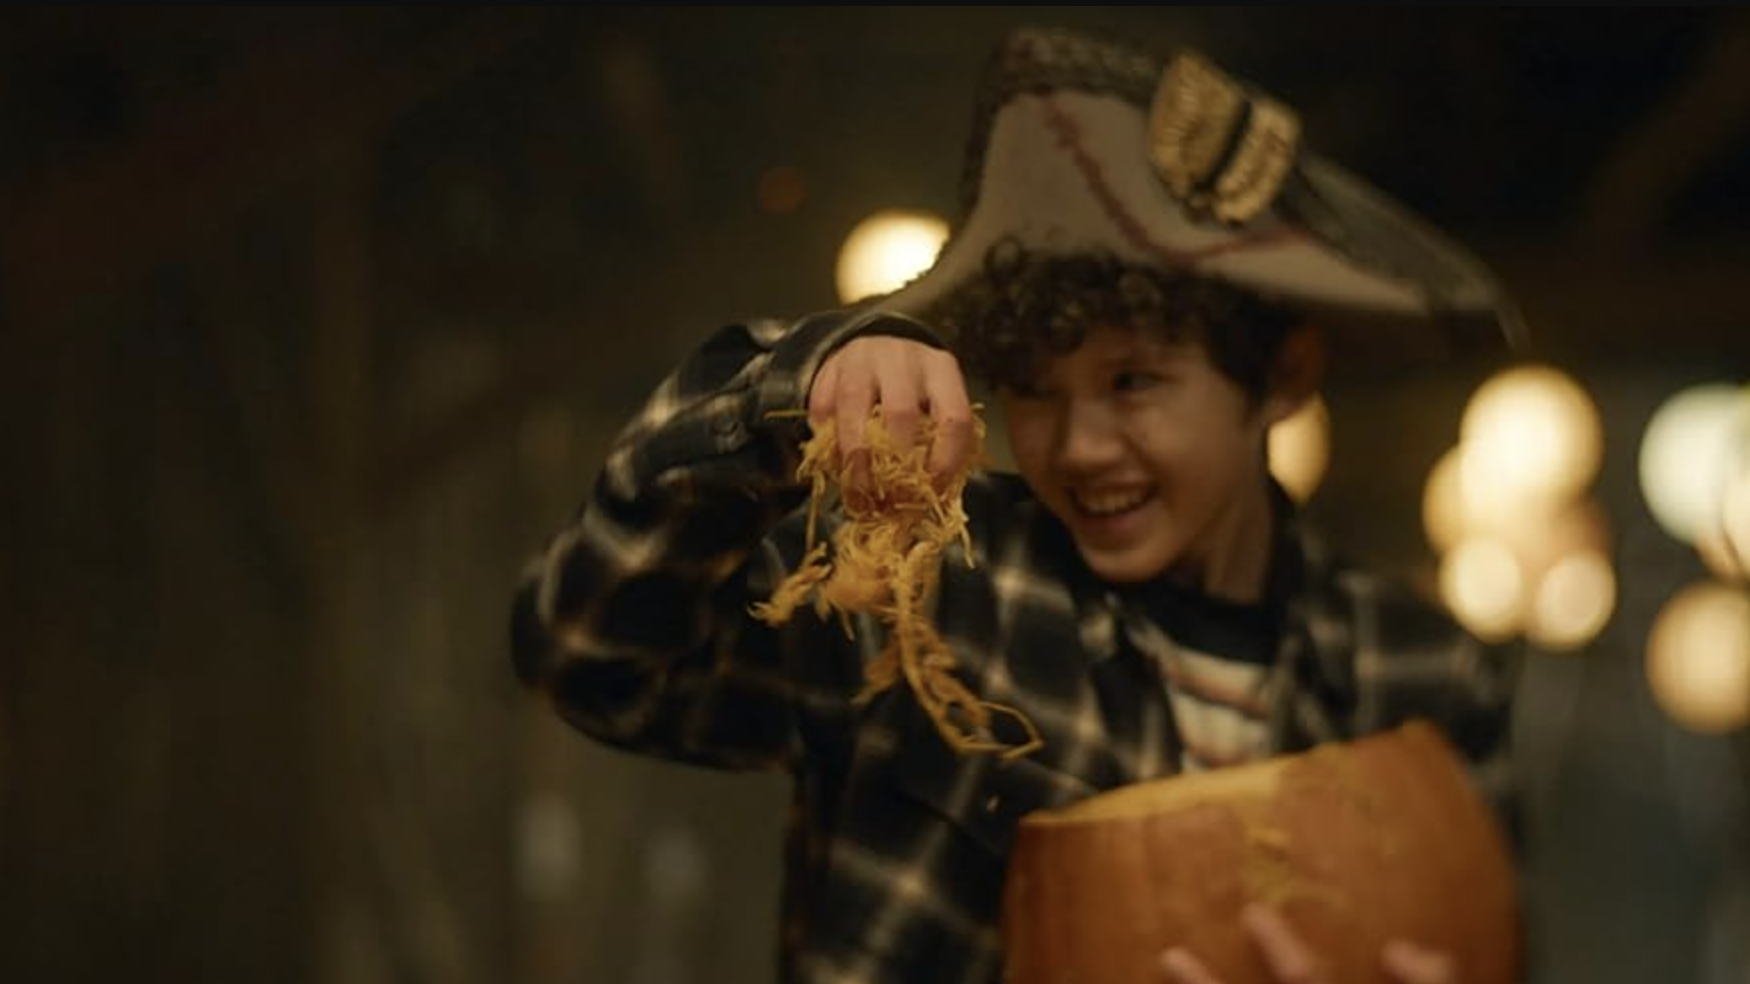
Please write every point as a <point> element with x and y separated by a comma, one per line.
<point>633,622</point>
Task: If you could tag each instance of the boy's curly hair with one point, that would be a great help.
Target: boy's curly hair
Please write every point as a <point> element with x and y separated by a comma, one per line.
<point>1028,308</point>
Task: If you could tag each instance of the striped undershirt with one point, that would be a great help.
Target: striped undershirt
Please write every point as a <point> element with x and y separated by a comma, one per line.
<point>1215,657</point>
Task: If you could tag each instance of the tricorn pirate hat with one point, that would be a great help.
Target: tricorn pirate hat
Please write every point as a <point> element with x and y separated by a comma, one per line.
<point>1082,146</point>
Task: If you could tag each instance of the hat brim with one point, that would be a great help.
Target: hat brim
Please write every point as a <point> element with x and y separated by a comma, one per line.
<point>1068,172</point>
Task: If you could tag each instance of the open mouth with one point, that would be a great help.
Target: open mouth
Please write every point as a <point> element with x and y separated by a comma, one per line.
<point>1106,503</point>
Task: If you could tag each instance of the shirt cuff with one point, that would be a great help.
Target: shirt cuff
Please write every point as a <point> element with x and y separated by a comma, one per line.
<point>797,357</point>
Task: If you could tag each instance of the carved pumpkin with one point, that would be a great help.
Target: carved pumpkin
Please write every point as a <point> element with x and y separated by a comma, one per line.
<point>1355,844</point>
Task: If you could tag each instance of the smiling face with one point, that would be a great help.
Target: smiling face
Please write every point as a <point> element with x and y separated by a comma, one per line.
<point>1152,458</point>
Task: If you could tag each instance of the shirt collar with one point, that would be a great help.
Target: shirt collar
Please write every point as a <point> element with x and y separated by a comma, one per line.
<point>1102,607</point>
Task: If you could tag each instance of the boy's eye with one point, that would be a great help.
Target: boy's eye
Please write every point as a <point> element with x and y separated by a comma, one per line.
<point>1131,381</point>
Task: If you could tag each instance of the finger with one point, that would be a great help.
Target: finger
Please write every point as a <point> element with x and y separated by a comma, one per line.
<point>1288,957</point>
<point>855,394</point>
<point>900,409</point>
<point>945,392</point>
<point>822,394</point>
<point>1411,964</point>
<point>1180,967</point>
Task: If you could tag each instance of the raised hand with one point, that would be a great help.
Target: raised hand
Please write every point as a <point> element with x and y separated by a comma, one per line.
<point>911,382</point>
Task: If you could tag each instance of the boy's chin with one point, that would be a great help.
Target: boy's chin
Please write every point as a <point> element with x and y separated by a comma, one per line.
<point>1127,565</point>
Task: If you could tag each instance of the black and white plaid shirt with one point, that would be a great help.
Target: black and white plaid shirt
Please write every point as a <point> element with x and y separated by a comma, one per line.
<point>634,623</point>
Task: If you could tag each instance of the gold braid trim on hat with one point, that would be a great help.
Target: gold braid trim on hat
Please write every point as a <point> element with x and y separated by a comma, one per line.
<point>1191,124</point>
<point>1260,164</point>
<point>1220,149</point>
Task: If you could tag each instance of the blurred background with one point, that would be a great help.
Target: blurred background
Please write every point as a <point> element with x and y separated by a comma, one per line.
<point>317,321</point>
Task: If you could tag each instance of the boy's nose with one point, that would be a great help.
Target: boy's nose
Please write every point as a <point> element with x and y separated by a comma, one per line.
<point>1087,435</point>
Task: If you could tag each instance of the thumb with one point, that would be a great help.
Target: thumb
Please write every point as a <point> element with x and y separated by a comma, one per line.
<point>1409,963</point>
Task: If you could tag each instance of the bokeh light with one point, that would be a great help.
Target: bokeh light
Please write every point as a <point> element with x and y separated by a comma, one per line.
<point>1698,657</point>
<point>1718,554</point>
<point>1443,514</point>
<point>1481,582</point>
<point>886,250</point>
<point>1524,546</point>
<point>1572,602</point>
<point>1735,518</point>
<point>1694,442</point>
<point>1529,434</point>
<point>1300,449</point>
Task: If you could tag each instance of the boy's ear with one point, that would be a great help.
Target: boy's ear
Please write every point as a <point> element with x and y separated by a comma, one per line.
<point>1298,372</point>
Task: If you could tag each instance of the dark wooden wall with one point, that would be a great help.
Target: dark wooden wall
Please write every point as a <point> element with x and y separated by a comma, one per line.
<point>316,321</point>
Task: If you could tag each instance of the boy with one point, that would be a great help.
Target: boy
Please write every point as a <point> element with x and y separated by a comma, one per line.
<point>1139,274</point>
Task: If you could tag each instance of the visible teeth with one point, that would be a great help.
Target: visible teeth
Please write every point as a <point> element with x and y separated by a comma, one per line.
<point>1108,503</point>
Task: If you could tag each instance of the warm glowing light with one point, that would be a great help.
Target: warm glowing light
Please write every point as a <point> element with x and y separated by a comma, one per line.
<point>1735,518</point>
<point>1529,434</point>
<point>1572,601</point>
<point>1694,442</point>
<point>1542,539</point>
<point>1723,540</point>
<point>1717,554</point>
<point>1443,514</point>
<point>1481,582</point>
<point>1698,657</point>
<point>1541,529</point>
<point>1300,449</point>
<point>886,250</point>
